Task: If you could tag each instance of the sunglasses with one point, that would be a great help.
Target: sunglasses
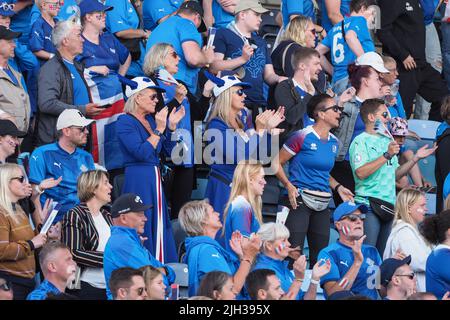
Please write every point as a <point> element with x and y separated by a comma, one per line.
<point>140,291</point>
<point>21,179</point>
<point>355,217</point>
<point>335,108</point>
<point>5,6</point>
<point>153,97</point>
<point>5,286</point>
<point>239,92</point>
<point>174,54</point>
<point>411,276</point>
<point>385,114</point>
<point>313,31</point>
<point>82,129</point>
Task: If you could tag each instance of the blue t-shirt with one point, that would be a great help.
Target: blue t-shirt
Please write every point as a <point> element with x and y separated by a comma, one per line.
<point>313,159</point>
<point>20,22</point>
<point>51,161</point>
<point>438,271</point>
<point>175,31</point>
<point>296,7</point>
<point>240,217</point>
<point>341,54</point>
<point>69,8</point>
<point>109,52</point>
<point>341,258</point>
<point>41,292</point>
<point>345,11</point>
<point>122,17</point>
<point>154,10</point>
<point>221,17</point>
<point>230,45</point>
<point>41,37</point>
<point>80,92</point>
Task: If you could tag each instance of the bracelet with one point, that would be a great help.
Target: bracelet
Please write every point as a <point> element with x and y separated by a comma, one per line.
<point>299,279</point>
<point>337,187</point>
<point>39,190</point>
<point>316,282</point>
<point>247,260</point>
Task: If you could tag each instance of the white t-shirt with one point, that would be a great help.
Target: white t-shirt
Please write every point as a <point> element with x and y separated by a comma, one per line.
<point>95,276</point>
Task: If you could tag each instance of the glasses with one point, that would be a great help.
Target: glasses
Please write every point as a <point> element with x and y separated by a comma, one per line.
<point>239,92</point>
<point>174,54</point>
<point>313,31</point>
<point>153,97</point>
<point>140,291</point>
<point>99,15</point>
<point>335,108</point>
<point>354,217</point>
<point>5,6</point>
<point>21,179</point>
<point>385,114</point>
<point>5,286</point>
<point>82,129</point>
<point>411,276</point>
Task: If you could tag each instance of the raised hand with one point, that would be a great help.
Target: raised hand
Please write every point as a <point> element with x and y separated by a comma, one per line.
<point>49,183</point>
<point>180,93</point>
<point>425,152</point>
<point>251,247</point>
<point>247,52</point>
<point>346,96</point>
<point>261,120</point>
<point>356,248</point>
<point>39,240</point>
<point>161,119</point>
<point>236,243</point>
<point>175,117</point>
<point>276,118</point>
<point>299,267</point>
<point>320,269</point>
<point>294,253</point>
<point>345,194</point>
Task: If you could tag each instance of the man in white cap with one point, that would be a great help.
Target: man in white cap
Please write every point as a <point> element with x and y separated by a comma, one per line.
<point>238,45</point>
<point>63,158</point>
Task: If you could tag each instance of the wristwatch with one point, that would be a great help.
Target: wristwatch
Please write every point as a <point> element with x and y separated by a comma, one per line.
<point>156,132</point>
<point>387,155</point>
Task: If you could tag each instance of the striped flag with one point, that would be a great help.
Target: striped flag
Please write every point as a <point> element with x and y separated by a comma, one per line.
<point>106,91</point>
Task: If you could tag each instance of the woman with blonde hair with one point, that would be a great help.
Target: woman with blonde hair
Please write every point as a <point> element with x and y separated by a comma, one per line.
<point>243,210</point>
<point>18,239</point>
<point>410,210</point>
<point>154,283</point>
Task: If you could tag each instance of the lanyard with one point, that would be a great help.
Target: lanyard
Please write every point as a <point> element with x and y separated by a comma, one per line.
<point>232,26</point>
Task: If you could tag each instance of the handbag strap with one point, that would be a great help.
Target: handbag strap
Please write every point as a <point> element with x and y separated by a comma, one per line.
<point>284,55</point>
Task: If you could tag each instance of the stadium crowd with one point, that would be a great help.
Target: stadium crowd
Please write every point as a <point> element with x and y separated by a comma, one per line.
<point>113,111</point>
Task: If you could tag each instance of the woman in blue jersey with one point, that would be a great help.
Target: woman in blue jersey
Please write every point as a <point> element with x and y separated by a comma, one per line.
<point>311,153</point>
<point>243,210</point>
<point>232,138</point>
<point>204,254</point>
<point>436,230</point>
<point>142,138</point>
<point>348,40</point>
<point>275,249</point>
<point>161,64</point>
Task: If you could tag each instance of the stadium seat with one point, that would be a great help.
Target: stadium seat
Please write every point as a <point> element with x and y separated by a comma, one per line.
<point>178,234</point>
<point>269,28</point>
<point>117,186</point>
<point>426,129</point>
<point>181,278</point>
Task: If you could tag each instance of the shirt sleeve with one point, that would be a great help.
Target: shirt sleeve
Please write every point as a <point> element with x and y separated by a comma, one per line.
<point>37,167</point>
<point>294,7</point>
<point>220,44</point>
<point>241,218</point>
<point>36,37</point>
<point>327,40</point>
<point>334,274</point>
<point>159,9</point>
<point>294,144</point>
<point>121,50</point>
<point>358,154</point>
<point>116,18</point>
<point>188,32</point>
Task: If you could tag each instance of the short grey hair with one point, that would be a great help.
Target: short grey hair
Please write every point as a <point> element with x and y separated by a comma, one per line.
<point>273,231</point>
<point>192,217</point>
<point>62,30</point>
<point>155,57</point>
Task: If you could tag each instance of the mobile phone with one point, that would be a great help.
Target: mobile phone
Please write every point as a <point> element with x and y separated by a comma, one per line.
<point>211,36</point>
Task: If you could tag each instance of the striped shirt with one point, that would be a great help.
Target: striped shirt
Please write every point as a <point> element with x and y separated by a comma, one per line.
<point>16,255</point>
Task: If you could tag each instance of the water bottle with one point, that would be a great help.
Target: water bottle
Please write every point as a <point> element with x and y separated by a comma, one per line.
<point>389,99</point>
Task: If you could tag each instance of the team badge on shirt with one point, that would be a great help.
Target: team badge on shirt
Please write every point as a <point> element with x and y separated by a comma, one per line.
<point>409,7</point>
<point>313,146</point>
<point>334,148</point>
<point>358,158</point>
<point>83,168</point>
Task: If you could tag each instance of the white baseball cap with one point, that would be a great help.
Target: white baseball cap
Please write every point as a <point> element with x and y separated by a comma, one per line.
<point>373,60</point>
<point>72,117</point>
<point>226,82</point>
<point>137,84</point>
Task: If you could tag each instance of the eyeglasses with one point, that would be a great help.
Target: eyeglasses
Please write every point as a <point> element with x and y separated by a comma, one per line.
<point>21,179</point>
<point>239,92</point>
<point>140,291</point>
<point>354,217</point>
<point>82,129</point>
<point>313,31</point>
<point>5,286</point>
<point>153,97</point>
<point>174,54</point>
<point>411,276</point>
<point>5,6</point>
<point>385,114</point>
<point>335,108</point>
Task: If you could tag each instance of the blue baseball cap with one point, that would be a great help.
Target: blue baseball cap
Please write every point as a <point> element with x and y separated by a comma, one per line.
<point>388,267</point>
<point>347,208</point>
<point>6,9</point>
<point>89,6</point>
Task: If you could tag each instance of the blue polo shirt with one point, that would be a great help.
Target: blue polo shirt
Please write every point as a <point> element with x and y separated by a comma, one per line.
<point>345,11</point>
<point>80,92</point>
<point>51,161</point>
<point>175,31</point>
<point>122,17</point>
<point>296,7</point>
<point>341,258</point>
<point>41,292</point>
<point>221,17</point>
<point>313,159</point>
<point>154,10</point>
<point>341,54</point>
<point>20,22</point>
<point>41,37</point>
<point>280,267</point>
<point>438,271</point>
<point>230,45</point>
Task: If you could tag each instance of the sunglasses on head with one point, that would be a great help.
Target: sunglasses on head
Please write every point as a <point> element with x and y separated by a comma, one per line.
<point>21,179</point>
<point>5,286</point>
<point>335,108</point>
<point>239,92</point>
<point>354,217</point>
<point>5,6</point>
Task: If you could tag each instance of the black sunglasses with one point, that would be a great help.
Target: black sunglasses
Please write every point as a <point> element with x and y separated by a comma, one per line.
<point>82,129</point>
<point>335,108</point>
<point>410,276</point>
<point>5,286</point>
<point>153,96</point>
<point>140,291</point>
<point>21,179</point>
<point>239,92</point>
<point>174,54</point>
<point>354,217</point>
<point>385,114</point>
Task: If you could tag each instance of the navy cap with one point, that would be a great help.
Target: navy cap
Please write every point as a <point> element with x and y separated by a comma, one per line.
<point>128,202</point>
<point>8,128</point>
<point>346,208</point>
<point>388,267</point>
<point>195,6</point>
<point>89,6</point>
<point>6,9</point>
